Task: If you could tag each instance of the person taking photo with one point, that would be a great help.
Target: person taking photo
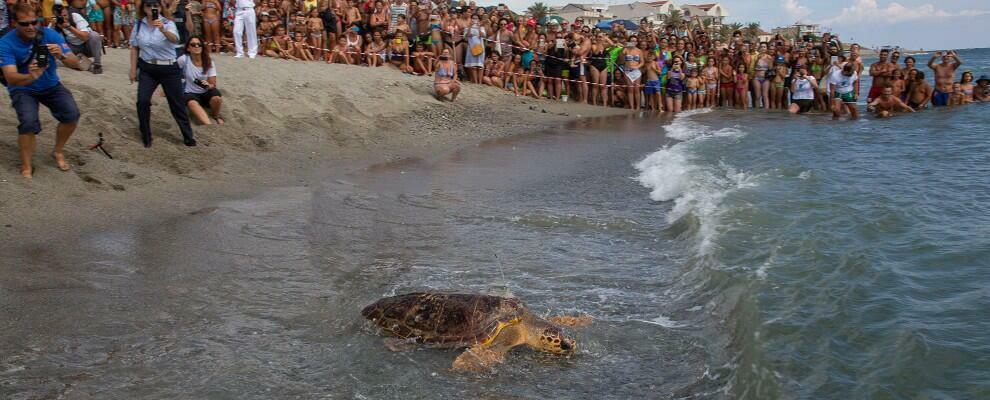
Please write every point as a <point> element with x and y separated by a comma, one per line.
<point>153,63</point>
<point>201,92</point>
<point>78,34</point>
<point>27,59</point>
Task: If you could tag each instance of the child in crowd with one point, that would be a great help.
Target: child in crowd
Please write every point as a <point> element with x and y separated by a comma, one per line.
<point>695,90</point>
<point>651,91</point>
<point>742,84</point>
<point>957,98</point>
<point>710,77</point>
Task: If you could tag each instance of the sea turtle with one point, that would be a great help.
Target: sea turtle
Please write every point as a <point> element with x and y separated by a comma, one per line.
<point>489,326</point>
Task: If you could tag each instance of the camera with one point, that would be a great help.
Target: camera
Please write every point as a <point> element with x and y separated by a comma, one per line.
<point>59,20</point>
<point>201,83</point>
<point>41,54</point>
<point>154,14</point>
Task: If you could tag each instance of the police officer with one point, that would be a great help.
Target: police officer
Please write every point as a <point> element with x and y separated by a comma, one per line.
<point>153,63</point>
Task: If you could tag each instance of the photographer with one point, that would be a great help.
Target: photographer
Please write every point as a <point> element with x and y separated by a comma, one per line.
<point>82,40</point>
<point>201,82</point>
<point>153,63</point>
<point>27,58</point>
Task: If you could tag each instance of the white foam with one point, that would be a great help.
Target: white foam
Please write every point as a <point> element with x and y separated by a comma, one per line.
<point>666,172</point>
<point>682,128</point>
<point>661,321</point>
<point>672,173</point>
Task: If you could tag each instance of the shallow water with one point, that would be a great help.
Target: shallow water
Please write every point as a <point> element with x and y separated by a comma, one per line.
<point>262,297</point>
<point>723,255</point>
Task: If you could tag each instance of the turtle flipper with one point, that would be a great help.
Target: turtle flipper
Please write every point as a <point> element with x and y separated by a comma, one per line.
<point>478,359</point>
<point>579,321</point>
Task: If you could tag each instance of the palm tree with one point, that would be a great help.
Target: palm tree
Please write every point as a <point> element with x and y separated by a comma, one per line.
<point>675,16</point>
<point>752,31</point>
<point>538,10</point>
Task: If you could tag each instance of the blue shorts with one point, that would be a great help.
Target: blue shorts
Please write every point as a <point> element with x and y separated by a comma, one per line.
<point>58,100</point>
<point>652,87</point>
<point>940,99</point>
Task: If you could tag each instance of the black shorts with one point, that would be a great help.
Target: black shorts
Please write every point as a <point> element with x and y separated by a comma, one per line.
<point>202,98</point>
<point>578,71</point>
<point>804,105</point>
<point>58,99</point>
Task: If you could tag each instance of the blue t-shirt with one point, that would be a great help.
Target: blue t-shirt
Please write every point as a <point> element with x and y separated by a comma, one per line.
<point>14,51</point>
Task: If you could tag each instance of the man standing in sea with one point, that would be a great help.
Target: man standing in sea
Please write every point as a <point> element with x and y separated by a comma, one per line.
<point>944,75</point>
<point>880,71</point>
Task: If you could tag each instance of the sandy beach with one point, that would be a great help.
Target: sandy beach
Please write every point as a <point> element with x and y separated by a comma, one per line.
<point>285,122</point>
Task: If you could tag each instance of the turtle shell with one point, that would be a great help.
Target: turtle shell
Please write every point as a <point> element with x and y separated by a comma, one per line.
<point>445,318</point>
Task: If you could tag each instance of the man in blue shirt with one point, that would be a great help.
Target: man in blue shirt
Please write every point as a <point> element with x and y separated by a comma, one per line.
<point>29,85</point>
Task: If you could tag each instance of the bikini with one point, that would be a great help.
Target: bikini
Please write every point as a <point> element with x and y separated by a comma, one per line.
<point>675,84</point>
<point>598,60</point>
<point>214,20</point>
<point>762,67</point>
<point>738,78</point>
<point>442,72</point>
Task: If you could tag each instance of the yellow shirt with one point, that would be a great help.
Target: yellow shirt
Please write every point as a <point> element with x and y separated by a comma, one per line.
<point>46,8</point>
<point>309,5</point>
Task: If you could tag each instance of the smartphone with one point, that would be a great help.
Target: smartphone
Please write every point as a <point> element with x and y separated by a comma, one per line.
<point>41,54</point>
<point>560,43</point>
<point>154,14</point>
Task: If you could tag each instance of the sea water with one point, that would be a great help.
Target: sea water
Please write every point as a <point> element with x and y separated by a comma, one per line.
<point>849,259</point>
<point>722,254</point>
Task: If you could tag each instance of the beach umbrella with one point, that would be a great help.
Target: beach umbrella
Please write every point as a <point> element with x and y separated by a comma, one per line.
<point>546,20</point>
<point>607,25</point>
<point>629,25</point>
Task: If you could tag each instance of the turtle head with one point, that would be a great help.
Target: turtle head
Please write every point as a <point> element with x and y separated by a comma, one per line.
<point>552,339</point>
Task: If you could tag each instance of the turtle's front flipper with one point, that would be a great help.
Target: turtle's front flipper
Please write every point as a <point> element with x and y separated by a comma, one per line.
<point>400,345</point>
<point>579,321</point>
<point>478,359</point>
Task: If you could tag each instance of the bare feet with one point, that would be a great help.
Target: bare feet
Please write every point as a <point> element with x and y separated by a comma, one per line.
<point>219,119</point>
<point>60,161</point>
<point>26,171</point>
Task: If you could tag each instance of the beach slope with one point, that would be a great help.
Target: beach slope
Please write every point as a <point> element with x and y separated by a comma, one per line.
<point>284,120</point>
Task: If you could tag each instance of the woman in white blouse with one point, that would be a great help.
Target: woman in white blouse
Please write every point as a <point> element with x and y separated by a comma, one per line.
<point>200,91</point>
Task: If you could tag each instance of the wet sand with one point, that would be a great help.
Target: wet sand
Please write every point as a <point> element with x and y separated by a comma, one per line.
<point>260,296</point>
<point>285,122</point>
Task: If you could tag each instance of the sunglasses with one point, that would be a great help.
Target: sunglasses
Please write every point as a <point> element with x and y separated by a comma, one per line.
<point>192,44</point>
<point>30,23</point>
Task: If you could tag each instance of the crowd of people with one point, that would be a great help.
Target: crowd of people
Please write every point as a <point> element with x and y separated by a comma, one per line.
<point>671,67</point>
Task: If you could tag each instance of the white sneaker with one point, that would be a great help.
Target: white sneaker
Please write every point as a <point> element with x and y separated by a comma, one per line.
<point>239,56</point>
<point>252,57</point>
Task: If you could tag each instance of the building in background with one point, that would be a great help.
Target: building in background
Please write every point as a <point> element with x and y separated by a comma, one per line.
<point>590,13</point>
<point>654,12</point>
<point>799,30</point>
<point>713,14</point>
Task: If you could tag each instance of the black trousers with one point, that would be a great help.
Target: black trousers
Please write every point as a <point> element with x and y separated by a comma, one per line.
<point>170,77</point>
